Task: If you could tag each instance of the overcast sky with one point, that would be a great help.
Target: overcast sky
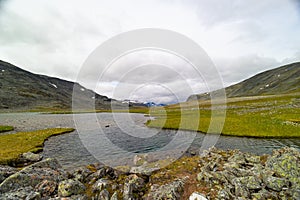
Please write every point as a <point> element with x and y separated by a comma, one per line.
<point>241,37</point>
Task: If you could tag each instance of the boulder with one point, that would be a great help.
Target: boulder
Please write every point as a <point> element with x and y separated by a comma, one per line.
<point>30,157</point>
<point>70,187</point>
<point>24,193</point>
<point>32,175</point>
<point>171,191</point>
<point>6,171</point>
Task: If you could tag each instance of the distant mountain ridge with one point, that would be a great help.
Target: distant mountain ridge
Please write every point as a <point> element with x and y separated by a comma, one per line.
<point>281,80</point>
<point>23,90</point>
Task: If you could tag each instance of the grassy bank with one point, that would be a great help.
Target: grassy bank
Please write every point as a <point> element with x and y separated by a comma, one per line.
<point>268,116</point>
<point>12,145</point>
<point>5,128</point>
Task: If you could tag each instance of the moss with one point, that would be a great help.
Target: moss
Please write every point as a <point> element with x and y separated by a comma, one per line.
<point>12,145</point>
<point>6,128</point>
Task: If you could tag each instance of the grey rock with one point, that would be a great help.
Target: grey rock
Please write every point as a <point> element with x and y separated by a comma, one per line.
<point>144,170</point>
<point>101,184</point>
<point>70,187</point>
<point>6,171</point>
<point>171,191</point>
<point>104,195</point>
<point>114,196</point>
<point>34,174</point>
<point>197,196</point>
<point>21,194</point>
<point>128,191</point>
<point>46,188</point>
<point>30,157</point>
<point>275,183</point>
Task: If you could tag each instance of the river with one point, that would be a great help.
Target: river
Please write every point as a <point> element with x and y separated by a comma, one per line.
<point>114,139</point>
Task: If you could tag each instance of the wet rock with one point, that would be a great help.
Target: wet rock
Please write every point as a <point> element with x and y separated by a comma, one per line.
<point>32,175</point>
<point>275,183</point>
<point>6,171</point>
<point>70,187</point>
<point>197,196</point>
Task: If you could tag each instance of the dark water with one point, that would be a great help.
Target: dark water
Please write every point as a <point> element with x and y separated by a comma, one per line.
<point>115,139</point>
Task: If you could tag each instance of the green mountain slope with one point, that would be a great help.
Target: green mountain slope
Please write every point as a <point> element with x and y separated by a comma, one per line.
<point>281,80</point>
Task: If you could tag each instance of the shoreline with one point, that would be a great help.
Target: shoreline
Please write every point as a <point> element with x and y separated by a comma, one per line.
<point>216,174</point>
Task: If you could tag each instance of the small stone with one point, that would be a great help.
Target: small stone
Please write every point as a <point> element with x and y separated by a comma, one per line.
<point>101,184</point>
<point>197,196</point>
<point>114,196</point>
<point>104,195</point>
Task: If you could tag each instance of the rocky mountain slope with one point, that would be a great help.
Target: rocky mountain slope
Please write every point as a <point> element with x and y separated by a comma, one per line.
<point>281,80</point>
<point>22,90</point>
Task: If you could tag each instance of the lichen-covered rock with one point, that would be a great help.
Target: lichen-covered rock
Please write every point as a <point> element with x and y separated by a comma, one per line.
<point>70,187</point>
<point>46,188</point>
<point>250,182</point>
<point>6,171</point>
<point>101,184</point>
<point>286,163</point>
<point>26,193</point>
<point>104,195</point>
<point>114,196</point>
<point>276,184</point>
<point>30,157</point>
<point>171,191</point>
<point>32,175</point>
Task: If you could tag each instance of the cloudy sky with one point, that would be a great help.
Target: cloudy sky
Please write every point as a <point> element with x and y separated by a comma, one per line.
<point>240,37</point>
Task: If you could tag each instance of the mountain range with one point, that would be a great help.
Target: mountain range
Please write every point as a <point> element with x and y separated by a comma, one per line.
<point>281,80</point>
<point>23,90</point>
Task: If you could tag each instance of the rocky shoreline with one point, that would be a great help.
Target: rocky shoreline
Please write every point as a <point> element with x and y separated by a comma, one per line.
<point>216,174</point>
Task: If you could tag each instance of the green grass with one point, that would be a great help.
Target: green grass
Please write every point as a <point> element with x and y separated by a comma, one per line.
<point>270,116</point>
<point>12,145</point>
<point>5,128</point>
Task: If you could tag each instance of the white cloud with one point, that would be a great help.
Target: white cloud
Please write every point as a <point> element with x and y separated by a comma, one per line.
<point>242,38</point>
